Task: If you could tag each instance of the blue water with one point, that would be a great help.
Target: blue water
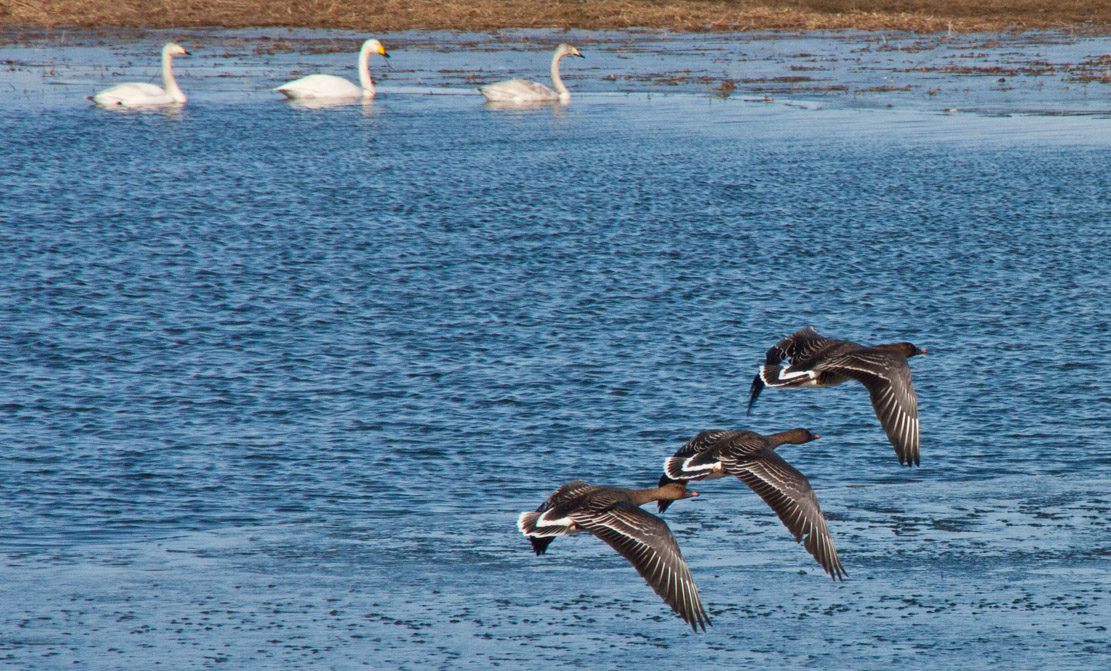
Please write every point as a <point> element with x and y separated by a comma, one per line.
<point>277,381</point>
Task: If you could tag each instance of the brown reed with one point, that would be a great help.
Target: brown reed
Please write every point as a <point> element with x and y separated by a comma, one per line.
<point>391,15</point>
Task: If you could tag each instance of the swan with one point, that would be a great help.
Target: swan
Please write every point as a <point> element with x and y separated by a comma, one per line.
<point>331,86</point>
<point>524,91</point>
<point>142,94</point>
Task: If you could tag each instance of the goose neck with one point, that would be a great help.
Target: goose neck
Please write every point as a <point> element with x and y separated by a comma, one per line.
<point>642,496</point>
<point>794,436</point>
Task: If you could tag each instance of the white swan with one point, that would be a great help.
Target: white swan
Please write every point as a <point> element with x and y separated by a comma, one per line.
<point>331,86</point>
<point>524,91</point>
<point>142,94</point>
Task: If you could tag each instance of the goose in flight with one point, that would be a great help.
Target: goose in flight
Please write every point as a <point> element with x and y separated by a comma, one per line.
<point>613,514</point>
<point>752,459</point>
<point>816,361</point>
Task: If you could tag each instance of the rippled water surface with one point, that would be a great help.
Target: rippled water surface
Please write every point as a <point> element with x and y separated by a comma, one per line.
<point>277,381</point>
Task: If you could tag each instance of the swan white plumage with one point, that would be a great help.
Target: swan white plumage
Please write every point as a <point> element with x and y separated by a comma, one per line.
<point>524,91</point>
<point>331,86</point>
<point>142,94</point>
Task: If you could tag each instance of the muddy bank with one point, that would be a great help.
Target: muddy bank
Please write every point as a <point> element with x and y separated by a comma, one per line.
<point>394,15</point>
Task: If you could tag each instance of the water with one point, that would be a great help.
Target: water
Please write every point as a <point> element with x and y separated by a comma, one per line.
<point>277,381</point>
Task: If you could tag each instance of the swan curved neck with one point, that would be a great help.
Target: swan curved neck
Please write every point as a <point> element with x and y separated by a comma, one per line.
<point>557,81</point>
<point>168,81</point>
<point>364,70</point>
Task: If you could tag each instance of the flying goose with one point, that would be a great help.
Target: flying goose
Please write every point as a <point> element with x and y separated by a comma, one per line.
<point>613,514</point>
<point>816,361</point>
<point>752,458</point>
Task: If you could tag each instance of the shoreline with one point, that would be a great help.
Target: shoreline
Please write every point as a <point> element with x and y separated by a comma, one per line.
<point>924,16</point>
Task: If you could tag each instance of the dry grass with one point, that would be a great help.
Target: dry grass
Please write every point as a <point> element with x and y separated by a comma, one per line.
<point>389,15</point>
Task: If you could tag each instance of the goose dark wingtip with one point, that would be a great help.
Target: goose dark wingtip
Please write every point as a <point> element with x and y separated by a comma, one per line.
<point>703,622</point>
<point>908,455</point>
<point>662,504</point>
<point>836,572</point>
<point>697,617</point>
<point>754,392</point>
